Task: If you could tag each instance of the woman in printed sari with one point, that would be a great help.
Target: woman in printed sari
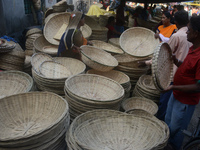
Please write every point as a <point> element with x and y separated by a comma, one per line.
<point>165,31</point>
<point>73,38</point>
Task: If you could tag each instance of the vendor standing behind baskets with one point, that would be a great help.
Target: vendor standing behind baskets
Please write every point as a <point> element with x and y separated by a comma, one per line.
<point>73,38</point>
<point>165,31</point>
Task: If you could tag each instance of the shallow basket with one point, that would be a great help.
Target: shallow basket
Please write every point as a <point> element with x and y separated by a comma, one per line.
<point>118,76</point>
<point>107,47</point>
<point>86,31</point>
<point>140,103</point>
<point>98,59</point>
<point>33,118</point>
<point>138,41</point>
<point>14,82</point>
<point>53,25</point>
<point>119,132</point>
<point>74,65</point>
<point>93,88</point>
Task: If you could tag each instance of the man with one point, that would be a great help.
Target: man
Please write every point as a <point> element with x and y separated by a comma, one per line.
<point>186,87</point>
<point>180,47</point>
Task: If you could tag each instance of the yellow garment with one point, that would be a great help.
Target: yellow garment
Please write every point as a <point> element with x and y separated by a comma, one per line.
<point>96,11</point>
<point>167,31</point>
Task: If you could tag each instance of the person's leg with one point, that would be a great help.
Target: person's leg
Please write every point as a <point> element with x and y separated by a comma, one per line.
<point>180,118</point>
<point>169,110</point>
<point>164,98</point>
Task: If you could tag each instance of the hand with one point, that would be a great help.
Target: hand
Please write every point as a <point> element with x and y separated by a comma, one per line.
<point>156,35</point>
<point>90,43</point>
<point>175,60</point>
<point>168,88</point>
<point>76,49</point>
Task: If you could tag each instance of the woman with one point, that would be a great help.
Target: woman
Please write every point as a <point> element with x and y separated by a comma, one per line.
<point>72,39</point>
<point>165,31</point>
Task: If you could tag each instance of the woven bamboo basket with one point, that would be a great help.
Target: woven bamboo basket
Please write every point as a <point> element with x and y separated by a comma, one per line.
<point>3,42</point>
<point>118,76</point>
<point>140,133</point>
<point>162,66</point>
<point>114,41</point>
<point>107,47</point>
<point>86,31</point>
<point>74,65</point>
<point>92,23</point>
<point>30,110</point>
<point>165,128</point>
<point>42,45</point>
<point>48,12</point>
<point>53,25</point>
<point>6,46</point>
<point>14,82</point>
<point>140,103</point>
<point>53,70</point>
<point>97,58</point>
<point>71,143</point>
<point>38,58</point>
<point>50,16</point>
<point>138,41</point>
<point>33,31</point>
<point>93,88</point>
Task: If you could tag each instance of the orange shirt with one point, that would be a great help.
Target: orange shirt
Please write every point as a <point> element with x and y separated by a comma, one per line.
<point>167,31</point>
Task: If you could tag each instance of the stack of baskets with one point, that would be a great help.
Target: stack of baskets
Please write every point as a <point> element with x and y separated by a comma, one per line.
<point>86,31</point>
<point>107,47</point>
<point>51,76</point>
<point>117,76</point>
<point>88,91</point>
<point>42,45</point>
<point>99,34</point>
<point>129,65</point>
<point>13,60</point>
<point>27,65</point>
<point>6,46</point>
<point>31,35</point>
<point>109,129</point>
<point>146,88</point>
<point>36,120</point>
<point>92,23</point>
<point>139,103</point>
<point>14,82</point>
<point>103,20</point>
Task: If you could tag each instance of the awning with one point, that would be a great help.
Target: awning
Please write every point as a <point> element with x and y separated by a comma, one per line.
<point>157,1</point>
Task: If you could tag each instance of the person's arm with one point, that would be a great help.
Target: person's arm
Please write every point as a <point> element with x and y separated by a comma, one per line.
<point>185,88</point>
<point>177,62</point>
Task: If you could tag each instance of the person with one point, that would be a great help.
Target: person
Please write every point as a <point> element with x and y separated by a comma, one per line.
<point>186,87</point>
<point>165,31</point>
<point>72,38</point>
<point>180,47</point>
<point>112,33</point>
<point>120,19</point>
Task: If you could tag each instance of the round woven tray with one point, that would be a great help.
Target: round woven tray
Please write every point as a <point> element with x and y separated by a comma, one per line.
<point>53,25</point>
<point>107,47</point>
<point>14,82</point>
<point>118,76</point>
<point>113,130</point>
<point>162,66</point>
<point>114,41</point>
<point>33,31</point>
<point>53,70</point>
<point>37,59</point>
<point>86,31</point>
<point>138,41</point>
<point>93,88</point>
<point>75,66</point>
<point>24,125</point>
<point>98,59</point>
<point>6,46</point>
<point>140,103</point>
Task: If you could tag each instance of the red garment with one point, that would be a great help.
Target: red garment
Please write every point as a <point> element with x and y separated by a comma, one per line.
<point>110,33</point>
<point>188,73</point>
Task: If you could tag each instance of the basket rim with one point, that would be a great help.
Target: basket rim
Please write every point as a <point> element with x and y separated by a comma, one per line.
<point>95,60</point>
<point>50,126</point>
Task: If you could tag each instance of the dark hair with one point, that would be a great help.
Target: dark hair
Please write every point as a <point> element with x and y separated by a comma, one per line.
<point>110,19</point>
<point>195,23</point>
<point>167,14</point>
<point>181,17</point>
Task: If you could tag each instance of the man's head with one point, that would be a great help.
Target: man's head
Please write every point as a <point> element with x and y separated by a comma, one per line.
<point>181,18</point>
<point>193,33</point>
